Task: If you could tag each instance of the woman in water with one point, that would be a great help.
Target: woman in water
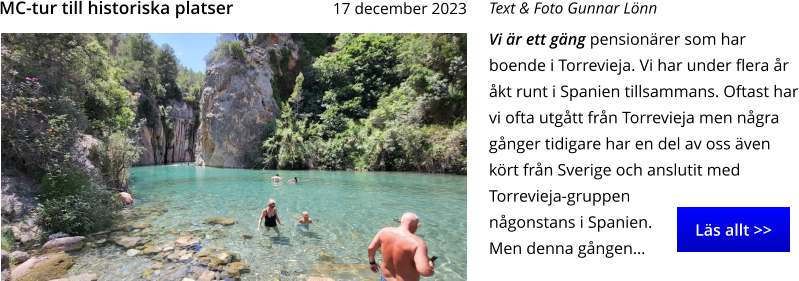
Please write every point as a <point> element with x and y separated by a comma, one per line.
<point>294,180</point>
<point>270,214</point>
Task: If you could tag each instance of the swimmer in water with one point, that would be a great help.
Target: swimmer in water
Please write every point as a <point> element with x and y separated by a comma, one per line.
<point>277,178</point>
<point>269,216</point>
<point>294,180</point>
<point>305,221</point>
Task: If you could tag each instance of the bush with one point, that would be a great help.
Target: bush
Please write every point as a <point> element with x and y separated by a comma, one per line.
<point>314,43</point>
<point>8,240</point>
<point>73,204</point>
<point>57,186</point>
<point>78,214</point>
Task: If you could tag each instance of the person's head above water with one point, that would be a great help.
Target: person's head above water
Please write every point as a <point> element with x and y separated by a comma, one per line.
<point>409,221</point>
<point>271,202</point>
<point>277,175</point>
<point>305,215</point>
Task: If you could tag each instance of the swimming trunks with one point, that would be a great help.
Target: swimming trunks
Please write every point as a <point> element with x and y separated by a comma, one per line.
<point>303,225</point>
<point>382,278</point>
<point>270,221</point>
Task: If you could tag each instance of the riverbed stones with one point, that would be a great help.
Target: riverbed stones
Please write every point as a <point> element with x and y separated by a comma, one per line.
<point>207,276</point>
<point>151,250</point>
<point>224,257</point>
<point>220,221</point>
<point>141,225</point>
<point>130,241</point>
<point>325,257</point>
<point>45,267</point>
<point>186,241</point>
<point>133,252</point>
<point>82,277</point>
<point>64,244</point>
<point>240,266</point>
<point>246,236</point>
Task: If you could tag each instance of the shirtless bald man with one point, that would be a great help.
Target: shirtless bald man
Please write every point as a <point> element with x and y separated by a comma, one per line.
<point>404,254</point>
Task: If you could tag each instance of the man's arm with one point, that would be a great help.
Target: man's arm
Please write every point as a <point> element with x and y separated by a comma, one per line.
<point>423,263</point>
<point>372,250</point>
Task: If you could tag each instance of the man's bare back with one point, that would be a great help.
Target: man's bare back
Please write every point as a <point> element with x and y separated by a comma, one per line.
<point>404,254</point>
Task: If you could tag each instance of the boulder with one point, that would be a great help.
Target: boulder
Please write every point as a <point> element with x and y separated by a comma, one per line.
<point>65,244</point>
<point>241,267</point>
<point>45,267</point>
<point>20,257</point>
<point>5,259</point>
<point>133,252</point>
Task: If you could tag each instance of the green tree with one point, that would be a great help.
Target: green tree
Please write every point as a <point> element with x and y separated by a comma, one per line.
<point>115,155</point>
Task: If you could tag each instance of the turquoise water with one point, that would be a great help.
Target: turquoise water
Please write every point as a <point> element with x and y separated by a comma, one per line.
<point>349,207</point>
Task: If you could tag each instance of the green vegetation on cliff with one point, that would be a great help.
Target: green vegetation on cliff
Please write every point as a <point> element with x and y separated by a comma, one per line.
<point>380,102</point>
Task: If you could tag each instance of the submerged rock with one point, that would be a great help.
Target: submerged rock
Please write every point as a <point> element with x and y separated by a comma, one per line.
<point>186,241</point>
<point>141,225</point>
<point>151,250</point>
<point>220,221</point>
<point>130,241</point>
<point>133,252</point>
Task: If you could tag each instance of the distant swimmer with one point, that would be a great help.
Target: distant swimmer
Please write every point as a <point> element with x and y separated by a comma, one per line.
<point>294,180</point>
<point>277,178</point>
<point>305,221</point>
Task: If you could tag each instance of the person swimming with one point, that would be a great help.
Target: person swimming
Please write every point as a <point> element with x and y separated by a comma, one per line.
<point>277,178</point>
<point>294,180</point>
<point>305,221</point>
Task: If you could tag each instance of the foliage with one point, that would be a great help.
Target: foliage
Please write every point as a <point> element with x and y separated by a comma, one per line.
<point>382,102</point>
<point>8,240</point>
<point>314,43</point>
<point>64,184</point>
<point>85,209</point>
<point>115,155</point>
<point>228,50</point>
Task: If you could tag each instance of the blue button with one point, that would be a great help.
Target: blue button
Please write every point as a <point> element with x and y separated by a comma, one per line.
<point>733,229</point>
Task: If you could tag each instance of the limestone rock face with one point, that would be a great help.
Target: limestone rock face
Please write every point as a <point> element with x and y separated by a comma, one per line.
<point>159,148</point>
<point>184,127</point>
<point>237,102</point>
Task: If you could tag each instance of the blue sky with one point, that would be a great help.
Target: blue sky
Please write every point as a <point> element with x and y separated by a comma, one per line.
<point>190,48</point>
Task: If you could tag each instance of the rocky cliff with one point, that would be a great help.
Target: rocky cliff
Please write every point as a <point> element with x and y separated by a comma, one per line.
<point>163,148</point>
<point>238,100</point>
